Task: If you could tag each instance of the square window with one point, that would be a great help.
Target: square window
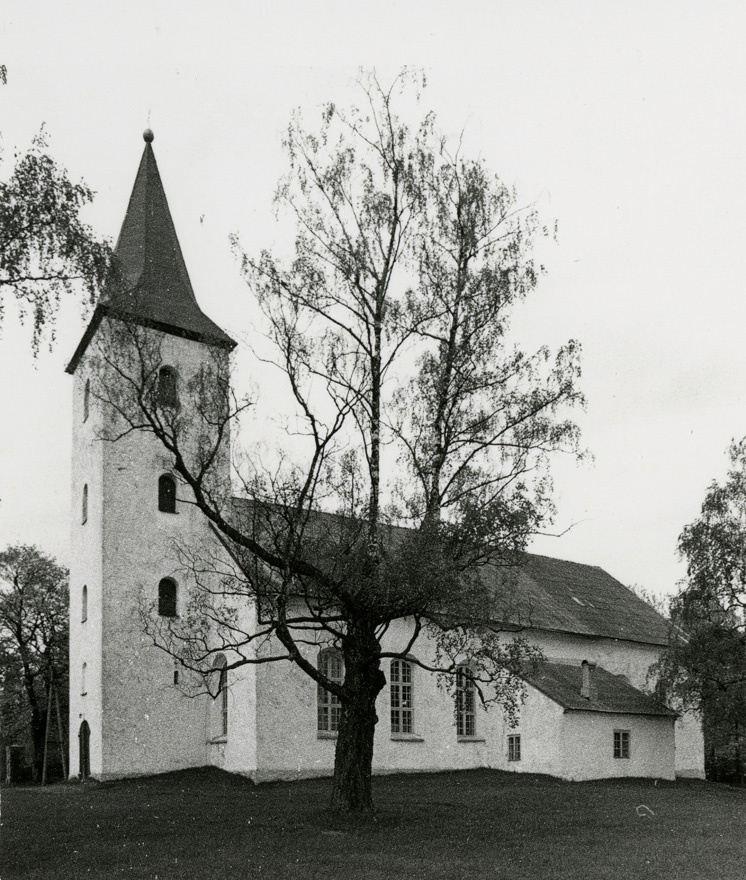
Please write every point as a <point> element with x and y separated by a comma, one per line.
<point>621,743</point>
<point>514,747</point>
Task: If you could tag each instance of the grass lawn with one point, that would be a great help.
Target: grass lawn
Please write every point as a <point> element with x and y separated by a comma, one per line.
<point>206,824</point>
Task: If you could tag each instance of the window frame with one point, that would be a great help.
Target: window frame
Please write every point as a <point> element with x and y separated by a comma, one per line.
<point>220,665</point>
<point>514,747</point>
<point>167,391</point>
<point>166,501</point>
<point>466,706</point>
<point>401,699</point>
<point>164,601</point>
<point>622,745</point>
<point>328,705</point>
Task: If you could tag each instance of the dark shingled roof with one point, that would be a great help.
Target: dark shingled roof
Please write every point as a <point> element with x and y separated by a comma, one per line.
<point>549,594</point>
<point>561,682</point>
<point>554,594</point>
<point>153,289</point>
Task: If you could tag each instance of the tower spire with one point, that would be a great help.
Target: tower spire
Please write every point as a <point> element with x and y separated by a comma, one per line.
<point>152,287</point>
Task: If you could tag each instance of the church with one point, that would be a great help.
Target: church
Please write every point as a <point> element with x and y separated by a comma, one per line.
<point>587,714</point>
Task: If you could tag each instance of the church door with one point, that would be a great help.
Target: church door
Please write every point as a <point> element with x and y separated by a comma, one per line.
<point>84,740</point>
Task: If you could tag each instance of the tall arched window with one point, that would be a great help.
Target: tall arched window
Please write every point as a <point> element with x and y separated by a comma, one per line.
<point>167,594</point>
<point>466,718</point>
<point>84,605</point>
<point>402,693</point>
<point>220,670</point>
<point>329,706</point>
<point>87,400</point>
<point>167,494</point>
<point>84,505</point>
<point>83,670</point>
<point>167,394</point>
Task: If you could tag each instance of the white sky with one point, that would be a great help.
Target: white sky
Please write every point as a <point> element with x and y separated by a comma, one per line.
<point>625,121</point>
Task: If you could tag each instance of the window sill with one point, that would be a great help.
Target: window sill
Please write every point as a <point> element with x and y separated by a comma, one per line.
<point>217,740</point>
<point>470,739</point>
<point>326,734</point>
<point>407,737</point>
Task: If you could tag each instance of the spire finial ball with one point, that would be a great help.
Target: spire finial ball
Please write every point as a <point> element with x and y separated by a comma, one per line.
<point>148,136</point>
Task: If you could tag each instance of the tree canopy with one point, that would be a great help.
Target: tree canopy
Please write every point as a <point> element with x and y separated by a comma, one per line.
<point>46,250</point>
<point>416,466</point>
<point>705,667</point>
<point>34,627</point>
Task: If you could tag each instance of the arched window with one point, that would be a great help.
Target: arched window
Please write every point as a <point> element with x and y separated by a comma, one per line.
<point>84,506</point>
<point>167,598</point>
<point>220,671</point>
<point>329,705</point>
<point>167,494</point>
<point>466,718</point>
<point>167,395</point>
<point>87,400</point>
<point>84,754</point>
<point>83,670</point>
<point>402,693</point>
<point>84,606</point>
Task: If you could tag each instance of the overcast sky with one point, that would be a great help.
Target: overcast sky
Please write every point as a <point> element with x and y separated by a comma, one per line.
<point>625,122</point>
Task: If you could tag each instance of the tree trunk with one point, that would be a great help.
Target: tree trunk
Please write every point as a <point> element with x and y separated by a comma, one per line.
<point>353,758</point>
<point>37,727</point>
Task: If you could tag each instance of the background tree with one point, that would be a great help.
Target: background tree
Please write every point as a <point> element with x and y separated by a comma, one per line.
<point>705,667</point>
<point>46,251</point>
<point>34,628</point>
<point>409,408</point>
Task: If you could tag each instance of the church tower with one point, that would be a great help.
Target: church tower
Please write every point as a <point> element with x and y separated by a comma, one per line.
<point>128,714</point>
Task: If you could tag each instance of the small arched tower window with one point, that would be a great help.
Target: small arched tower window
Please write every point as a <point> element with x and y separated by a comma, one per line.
<point>220,671</point>
<point>83,671</point>
<point>84,606</point>
<point>87,400</point>
<point>167,494</point>
<point>84,506</point>
<point>167,598</point>
<point>167,394</point>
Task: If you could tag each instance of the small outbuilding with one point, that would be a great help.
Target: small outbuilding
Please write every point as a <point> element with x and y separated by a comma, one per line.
<point>582,722</point>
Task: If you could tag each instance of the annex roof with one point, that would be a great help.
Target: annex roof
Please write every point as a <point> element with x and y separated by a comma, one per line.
<point>561,682</point>
<point>152,287</point>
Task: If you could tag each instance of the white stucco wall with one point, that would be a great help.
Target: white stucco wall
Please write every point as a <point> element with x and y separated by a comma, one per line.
<point>141,722</point>
<point>588,746</point>
<point>237,751</point>
<point>690,746</point>
<point>575,745</point>
<point>86,566</point>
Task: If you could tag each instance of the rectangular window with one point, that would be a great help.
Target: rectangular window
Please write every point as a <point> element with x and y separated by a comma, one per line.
<point>329,706</point>
<point>402,720</point>
<point>466,720</point>
<point>514,747</point>
<point>621,743</point>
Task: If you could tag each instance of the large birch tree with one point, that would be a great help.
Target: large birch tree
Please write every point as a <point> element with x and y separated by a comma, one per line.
<point>418,443</point>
